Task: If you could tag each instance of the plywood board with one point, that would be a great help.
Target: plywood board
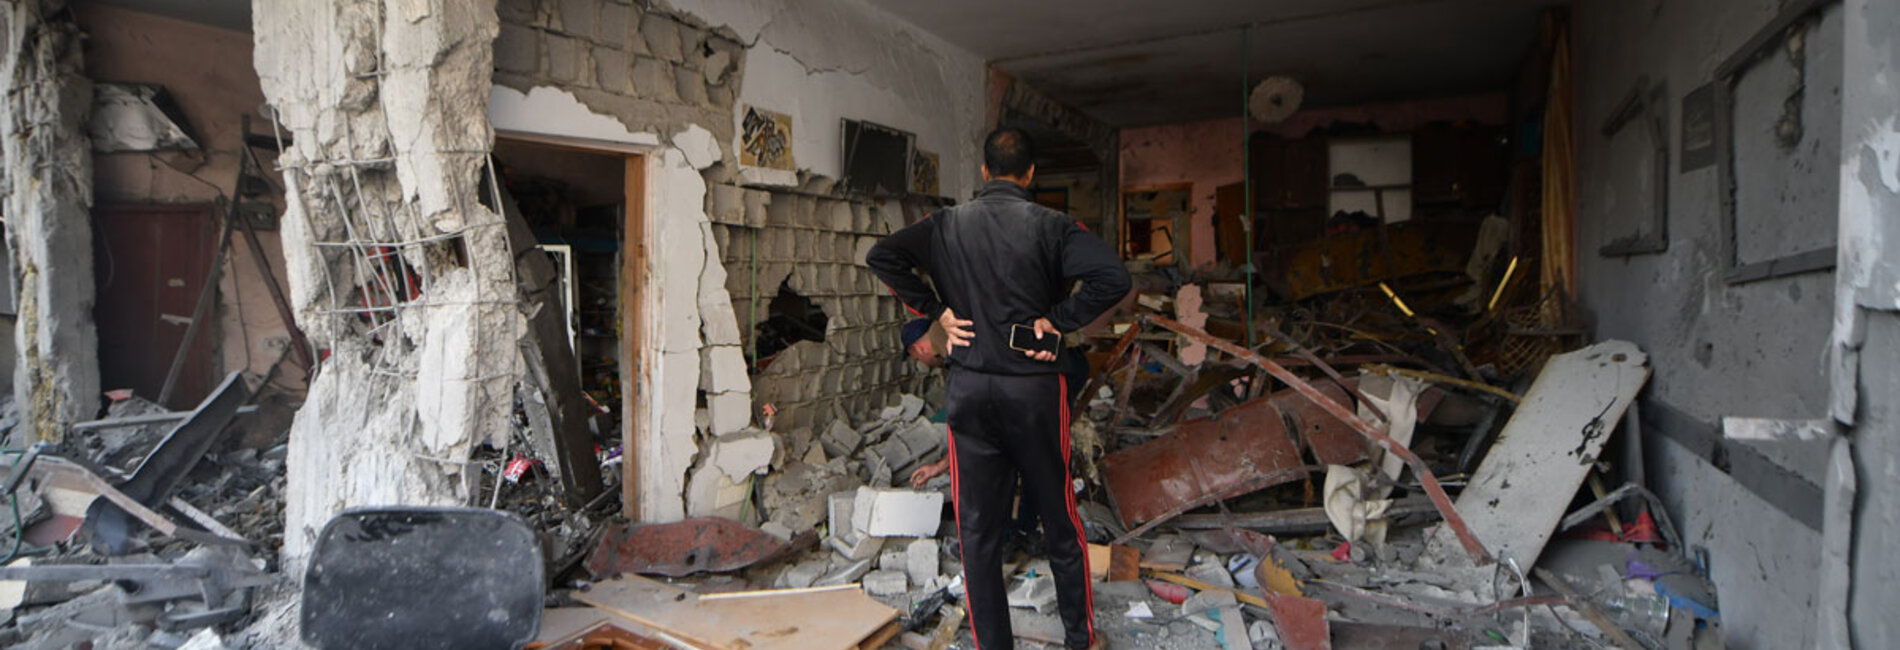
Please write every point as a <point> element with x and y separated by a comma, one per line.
<point>806,620</point>
<point>1521,491</point>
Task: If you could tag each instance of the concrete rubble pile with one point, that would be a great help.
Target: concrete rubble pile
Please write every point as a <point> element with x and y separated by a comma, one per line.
<point>98,557</point>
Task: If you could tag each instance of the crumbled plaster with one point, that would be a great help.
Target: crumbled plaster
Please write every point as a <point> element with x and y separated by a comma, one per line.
<point>48,195</point>
<point>394,414</point>
<point>822,60</point>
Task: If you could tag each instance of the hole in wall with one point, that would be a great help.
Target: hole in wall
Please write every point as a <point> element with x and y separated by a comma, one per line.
<point>790,318</point>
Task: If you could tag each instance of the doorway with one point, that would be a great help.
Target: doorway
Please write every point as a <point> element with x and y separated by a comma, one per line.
<point>585,204</point>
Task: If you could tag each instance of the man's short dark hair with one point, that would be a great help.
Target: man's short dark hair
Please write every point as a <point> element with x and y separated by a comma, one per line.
<point>1009,152</point>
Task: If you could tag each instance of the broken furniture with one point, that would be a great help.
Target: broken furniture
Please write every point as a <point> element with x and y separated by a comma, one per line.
<point>681,548</point>
<point>108,523</point>
<point>420,577</point>
<point>220,580</point>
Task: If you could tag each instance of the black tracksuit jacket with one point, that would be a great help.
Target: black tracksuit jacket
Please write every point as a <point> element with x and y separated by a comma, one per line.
<point>1001,260</point>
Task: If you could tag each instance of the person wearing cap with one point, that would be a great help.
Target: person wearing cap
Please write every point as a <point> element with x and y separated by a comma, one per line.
<point>999,263</point>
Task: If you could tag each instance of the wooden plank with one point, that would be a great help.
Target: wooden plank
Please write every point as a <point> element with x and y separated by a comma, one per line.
<point>1525,485</point>
<point>822,619</point>
<point>634,391</point>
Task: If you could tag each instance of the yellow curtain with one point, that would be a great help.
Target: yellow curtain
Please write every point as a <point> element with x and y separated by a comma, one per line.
<point>1560,173</point>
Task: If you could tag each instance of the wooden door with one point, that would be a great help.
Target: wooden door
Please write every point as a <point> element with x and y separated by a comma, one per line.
<point>150,263</point>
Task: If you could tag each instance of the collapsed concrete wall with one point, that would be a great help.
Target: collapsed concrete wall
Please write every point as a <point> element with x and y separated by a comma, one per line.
<point>386,104</point>
<point>48,198</point>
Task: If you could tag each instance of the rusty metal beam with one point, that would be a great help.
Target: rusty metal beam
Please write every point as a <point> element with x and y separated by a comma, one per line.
<point>1472,546</point>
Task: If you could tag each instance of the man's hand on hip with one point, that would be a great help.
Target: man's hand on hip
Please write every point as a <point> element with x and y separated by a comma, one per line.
<point>956,330</point>
<point>1043,328</point>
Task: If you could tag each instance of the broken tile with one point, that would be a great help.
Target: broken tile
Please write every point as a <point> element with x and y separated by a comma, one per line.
<point>731,412</point>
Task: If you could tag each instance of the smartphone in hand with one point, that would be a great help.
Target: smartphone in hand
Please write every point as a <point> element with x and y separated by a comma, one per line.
<point>1022,338</point>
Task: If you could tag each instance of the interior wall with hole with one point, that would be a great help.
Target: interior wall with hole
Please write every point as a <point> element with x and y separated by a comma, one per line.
<point>207,73</point>
<point>758,261</point>
<point>1755,349</point>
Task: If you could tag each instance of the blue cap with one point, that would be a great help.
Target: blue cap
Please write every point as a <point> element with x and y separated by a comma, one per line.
<point>914,330</point>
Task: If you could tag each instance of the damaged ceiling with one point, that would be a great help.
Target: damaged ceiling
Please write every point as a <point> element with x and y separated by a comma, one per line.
<point>1133,63</point>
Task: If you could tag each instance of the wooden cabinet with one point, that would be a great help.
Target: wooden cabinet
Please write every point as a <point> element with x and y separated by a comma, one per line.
<point>1288,174</point>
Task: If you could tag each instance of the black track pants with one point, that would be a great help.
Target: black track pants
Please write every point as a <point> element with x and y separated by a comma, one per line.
<point>1002,427</point>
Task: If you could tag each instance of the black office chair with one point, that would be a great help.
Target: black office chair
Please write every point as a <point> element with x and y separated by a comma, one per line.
<point>416,578</point>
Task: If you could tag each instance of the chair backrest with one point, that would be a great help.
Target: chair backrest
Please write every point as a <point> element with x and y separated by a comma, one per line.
<point>419,577</point>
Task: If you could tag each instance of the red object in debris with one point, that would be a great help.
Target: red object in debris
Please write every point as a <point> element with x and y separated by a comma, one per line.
<point>1343,552</point>
<point>1169,591</point>
<point>119,395</point>
<point>1245,448</point>
<point>1301,622</point>
<point>517,468</point>
<point>1641,531</point>
<point>682,548</point>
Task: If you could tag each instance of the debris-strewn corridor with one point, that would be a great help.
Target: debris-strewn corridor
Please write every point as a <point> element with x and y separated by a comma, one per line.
<point>746,324</point>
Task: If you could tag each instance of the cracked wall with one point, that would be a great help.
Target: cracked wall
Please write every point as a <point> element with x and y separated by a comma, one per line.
<point>674,79</point>
<point>1861,580</point>
<point>48,197</point>
<point>385,102</point>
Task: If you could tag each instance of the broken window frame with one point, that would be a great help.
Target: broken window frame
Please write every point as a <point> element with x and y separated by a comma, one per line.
<point>1645,103</point>
<point>1726,76</point>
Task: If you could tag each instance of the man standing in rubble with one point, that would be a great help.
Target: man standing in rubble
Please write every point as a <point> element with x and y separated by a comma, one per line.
<point>998,262</point>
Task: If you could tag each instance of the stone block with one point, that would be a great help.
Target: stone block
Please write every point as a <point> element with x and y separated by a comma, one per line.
<point>901,513</point>
<point>726,204</point>
<point>803,574</point>
<point>564,58</point>
<point>613,70</point>
<point>862,250</point>
<point>715,66</point>
<point>890,559</point>
<point>662,35</point>
<point>743,454</point>
<point>518,49</point>
<point>922,560</point>
<point>730,412</point>
<point>839,217</point>
<point>808,211</point>
<point>757,208</point>
<point>518,12</point>
<point>653,79</point>
<point>856,547</point>
<point>691,86</point>
<point>840,439</point>
<point>719,96</point>
<point>616,25</point>
<point>844,571</point>
<point>886,583</point>
<point>777,529</point>
<point>726,366</point>
<point>580,17</point>
<point>782,210</point>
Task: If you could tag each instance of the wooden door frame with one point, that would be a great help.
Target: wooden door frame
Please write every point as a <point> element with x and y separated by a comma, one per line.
<point>635,297</point>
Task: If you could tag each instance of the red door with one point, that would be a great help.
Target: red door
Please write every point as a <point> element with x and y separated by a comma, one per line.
<point>150,263</point>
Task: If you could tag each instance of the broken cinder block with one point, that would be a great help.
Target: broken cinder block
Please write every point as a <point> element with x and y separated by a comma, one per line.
<point>888,583</point>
